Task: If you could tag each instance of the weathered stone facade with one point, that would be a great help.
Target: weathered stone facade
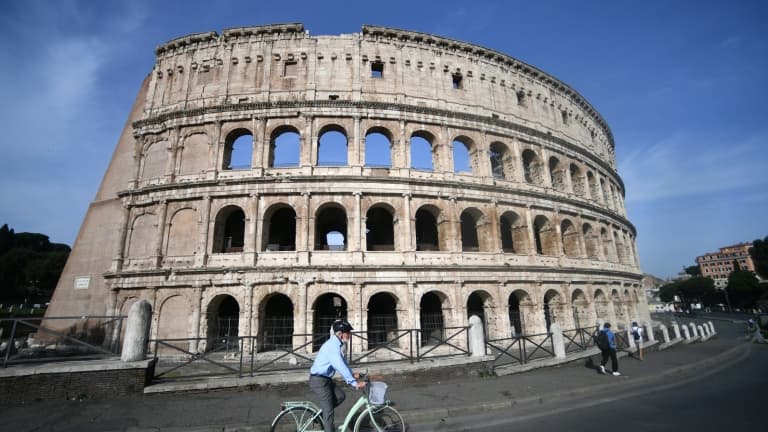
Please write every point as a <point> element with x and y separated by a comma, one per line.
<point>535,233</point>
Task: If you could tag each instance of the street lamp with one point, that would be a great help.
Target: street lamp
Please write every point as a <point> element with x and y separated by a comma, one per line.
<point>727,300</point>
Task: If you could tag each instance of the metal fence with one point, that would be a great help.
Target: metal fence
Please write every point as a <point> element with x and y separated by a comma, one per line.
<point>50,339</point>
<point>579,339</point>
<point>520,349</point>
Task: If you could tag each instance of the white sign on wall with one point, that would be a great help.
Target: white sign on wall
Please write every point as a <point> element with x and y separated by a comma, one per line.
<point>82,282</point>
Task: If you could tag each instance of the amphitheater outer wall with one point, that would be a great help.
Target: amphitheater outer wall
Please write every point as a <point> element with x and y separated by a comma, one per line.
<point>533,232</point>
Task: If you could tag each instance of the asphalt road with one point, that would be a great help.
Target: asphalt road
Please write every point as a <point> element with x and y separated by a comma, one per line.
<point>730,398</point>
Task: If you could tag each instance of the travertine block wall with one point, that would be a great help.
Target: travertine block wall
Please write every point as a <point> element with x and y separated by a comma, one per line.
<point>538,224</point>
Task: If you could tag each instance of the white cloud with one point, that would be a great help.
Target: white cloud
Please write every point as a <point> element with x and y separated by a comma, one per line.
<point>684,164</point>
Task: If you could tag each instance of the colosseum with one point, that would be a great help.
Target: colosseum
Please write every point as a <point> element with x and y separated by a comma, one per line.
<point>269,182</point>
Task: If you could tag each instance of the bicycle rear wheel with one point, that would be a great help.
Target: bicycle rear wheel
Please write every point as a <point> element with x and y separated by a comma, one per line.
<point>385,419</point>
<point>297,419</point>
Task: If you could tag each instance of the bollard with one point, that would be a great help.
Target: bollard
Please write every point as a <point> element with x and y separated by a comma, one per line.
<point>693,330</point>
<point>701,333</point>
<point>712,328</point>
<point>649,332</point>
<point>476,336</point>
<point>558,342</point>
<point>631,339</point>
<point>600,324</point>
<point>676,330</point>
<point>686,335</point>
<point>137,332</point>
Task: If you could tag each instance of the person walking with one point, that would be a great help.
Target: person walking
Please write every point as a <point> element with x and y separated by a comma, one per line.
<point>330,359</point>
<point>637,335</point>
<point>606,341</point>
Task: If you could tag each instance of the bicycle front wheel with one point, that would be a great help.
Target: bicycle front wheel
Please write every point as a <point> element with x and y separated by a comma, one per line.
<point>298,419</point>
<point>380,419</point>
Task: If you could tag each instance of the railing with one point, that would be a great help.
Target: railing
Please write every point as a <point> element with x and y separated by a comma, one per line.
<point>88,337</point>
<point>521,349</point>
<point>579,339</point>
<point>621,340</point>
<point>181,358</point>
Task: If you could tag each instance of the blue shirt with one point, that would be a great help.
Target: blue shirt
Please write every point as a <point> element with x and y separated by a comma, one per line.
<point>330,359</point>
<point>611,338</point>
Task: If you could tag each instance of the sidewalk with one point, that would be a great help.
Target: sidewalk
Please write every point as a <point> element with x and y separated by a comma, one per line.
<point>420,399</point>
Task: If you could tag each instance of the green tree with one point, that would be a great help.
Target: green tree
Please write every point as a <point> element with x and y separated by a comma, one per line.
<point>693,270</point>
<point>694,290</point>
<point>668,292</point>
<point>759,253</point>
<point>744,289</point>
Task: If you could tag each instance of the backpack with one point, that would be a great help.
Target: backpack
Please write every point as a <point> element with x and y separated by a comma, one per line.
<point>636,333</point>
<point>602,341</point>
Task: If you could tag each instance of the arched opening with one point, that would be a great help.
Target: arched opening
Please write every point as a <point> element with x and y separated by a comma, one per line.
<point>545,236</point>
<point>476,305</point>
<point>552,305</point>
<point>499,156</point>
<point>532,169</point>
<point>280,228</point>
<point>514,234</point>
<point>223,316</point>
<point>580,307</point>
<point>618,309</point>
<point>276,323</point>
<point>590,241</point>
<point>427,235</point>
<point>327,309</point>
<point>238,150</point>
<point>620,252</point>
<point>607,245</point>
<point>229,230</point>
<point>606,194</point>
<point>378,149</point>
<point>577,180</point>
<point>155,160</point>
<point>332,147</point>
<point>382,319</point>
<point>571,243</point>
<point>421,152</point>
<point>462,161</point>
<point>331,229</point>
<point>284,148</point>
<point>556,174</point>
<point>431,316</point>
<point>380,230</point>
<point>469,239</point>
<point>517,299</point>
<point>602,306</point>
<point>594,192</point>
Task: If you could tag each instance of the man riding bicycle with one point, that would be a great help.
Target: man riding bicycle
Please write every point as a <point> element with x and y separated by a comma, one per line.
<point>329,360</point>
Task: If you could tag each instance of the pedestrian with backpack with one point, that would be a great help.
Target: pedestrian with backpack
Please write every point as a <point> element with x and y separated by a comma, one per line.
<point>637,335</point>
<point>606,341</point>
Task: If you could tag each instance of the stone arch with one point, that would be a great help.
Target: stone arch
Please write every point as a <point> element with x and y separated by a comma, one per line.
<point>582,316</point>
<point>594,190</point>
<point>475,235</point>
<point>284,147</point>
<point>608,250</point>
<point>380,228</point>
<point>603,308</point>
<point>577,180</point>
<point>514,233</point>
<point>183,236</point>
<point>424,155</point>
<point>430,229</point>
<point>332,146</point>
<point>154,160</point>
<point>553,308</point>
<point>223,323</point>
<point>519,305</point>
<point>382,322</point>
<point>330,223</point>
<point>591,242</point>
<point>279,228</point>
<point>173,323</point>
<point>229,230</point>
<point>570,239</point>
<point>193,158</point>
<point>432,318</point>
<point>142,236</point>
<point>326,309</point>
<point>238,150</point>
<point>545,236</point>
<point>276,315</point>
<point>533,171</point>
<point>557,174</point>
<point>378,148</point>
<point>480,303</point>
<point>618,308</point>
<point>502,166</point>
<point>621,256</point>
<point>463,155</point>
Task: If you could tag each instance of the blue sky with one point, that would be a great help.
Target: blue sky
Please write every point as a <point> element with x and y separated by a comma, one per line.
<point>681,83</point>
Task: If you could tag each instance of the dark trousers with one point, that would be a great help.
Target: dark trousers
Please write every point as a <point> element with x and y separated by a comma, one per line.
<point>329,396</point>
<point>614,359</point>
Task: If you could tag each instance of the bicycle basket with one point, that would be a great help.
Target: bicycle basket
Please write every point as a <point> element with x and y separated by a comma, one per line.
<point>377,392</point>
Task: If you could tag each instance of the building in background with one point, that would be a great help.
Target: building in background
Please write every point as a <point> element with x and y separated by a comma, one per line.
<point>718,265</point>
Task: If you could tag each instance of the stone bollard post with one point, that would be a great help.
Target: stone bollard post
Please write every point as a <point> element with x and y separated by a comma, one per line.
<point>701,331</point>
<point>631,339</point>
<point>686,335</point>
<point>476,336</point>
<point>558,342</point>
<point>693,330</point>
<point>649,332</point>
<point>137,332</point>
<point>676,330</point>
<point>712,328</point>
<point>600,324</point>
<point>664,333</point>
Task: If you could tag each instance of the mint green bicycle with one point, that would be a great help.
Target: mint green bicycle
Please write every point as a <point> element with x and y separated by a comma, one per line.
<point>372,412</point>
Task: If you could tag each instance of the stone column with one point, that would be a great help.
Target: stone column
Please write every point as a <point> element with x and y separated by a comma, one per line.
<point>686,335</point>
<point>712,328</point>
<point>252,225</point>
<point>160,233</point>
<point>307,143</point>
<point>630,338</point>
<point>356,152</point>
<point>558,341</point>
<point>261,146</point>
<point>649,331</point>
<point>137,332</point>
<point>408,240</point>
<point>664,333</point>
<point>119,251</point>
<point>693,330</point>
<point>702,333</point>
<point>476,336</point>
<point>356,239</point>
<point>202,257</point>
<point>194,345</point>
